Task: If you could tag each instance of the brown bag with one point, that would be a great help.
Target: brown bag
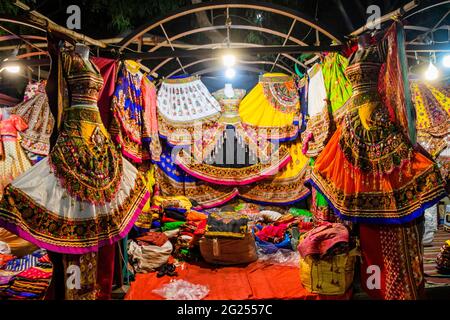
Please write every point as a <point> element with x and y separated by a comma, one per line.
<point>227,251</point>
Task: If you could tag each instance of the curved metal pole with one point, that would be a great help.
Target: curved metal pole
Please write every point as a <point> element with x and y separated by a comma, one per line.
<point>261,6</point>
<point>164,62</point>
<point>239,61</point>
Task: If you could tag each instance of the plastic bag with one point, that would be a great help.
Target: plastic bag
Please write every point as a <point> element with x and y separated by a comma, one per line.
<point>182,290</point>
<point>283,257</point>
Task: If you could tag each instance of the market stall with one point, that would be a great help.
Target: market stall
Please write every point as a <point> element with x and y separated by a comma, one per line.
<point>174,167</point>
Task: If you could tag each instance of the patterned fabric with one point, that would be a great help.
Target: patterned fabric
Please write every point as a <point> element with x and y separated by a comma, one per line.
<point>226,224</point>
<point>130,126</point>
<point>173,181</point>
<point>432,103</point>
<point>339,88</point>
<point>87,264</point>
<point>318,127</point>
<point>35,111</point>
<point>85,195</point>
<point>287,186</point>
<point>397,251</point>
<point>13,160</point>
<point>394,82</point>
<point>238,156</point>
<point>368,171</point>
<point>272,107</point>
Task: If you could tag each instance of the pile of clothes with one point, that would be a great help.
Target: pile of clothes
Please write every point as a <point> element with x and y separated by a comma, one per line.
<point>443,259</point>
<point>25,278</point>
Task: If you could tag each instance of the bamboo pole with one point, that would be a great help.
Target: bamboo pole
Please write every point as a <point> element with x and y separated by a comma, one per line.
<point>399,12</point>
<point>48,24</point>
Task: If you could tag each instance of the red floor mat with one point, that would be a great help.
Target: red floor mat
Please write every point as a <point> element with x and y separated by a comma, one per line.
<point>255,281</point>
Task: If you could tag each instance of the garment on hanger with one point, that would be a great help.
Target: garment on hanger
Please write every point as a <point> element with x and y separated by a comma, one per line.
<point>287,186</point>
<point>186,109</point>
<point>339,88</point>
<point>369,171</point>
<point>85,195</point>
<point>318,127</point>
<point>173,181</point>
<point>432,104</point>
<point>233,155</point>
<point>129,126</point>
<point>13,160</point>
<point>35,111</point>
<point>272,107</point>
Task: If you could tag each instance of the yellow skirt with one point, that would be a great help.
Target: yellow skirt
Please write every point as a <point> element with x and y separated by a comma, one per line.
<point>273,104</point>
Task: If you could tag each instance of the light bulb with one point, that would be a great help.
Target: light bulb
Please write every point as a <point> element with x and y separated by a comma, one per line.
<point>229,60</point>
<point>432,72</point>
<point>230,73</point>
<point>13,69</point>
<point>446,61</point>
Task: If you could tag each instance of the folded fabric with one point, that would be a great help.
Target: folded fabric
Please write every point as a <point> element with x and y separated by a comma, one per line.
<point>21,264</point>
<point>272,233</point>
<point>36,273</point>
<point>173,202</point>
<point>155,238</point>
<point>270,215</point>
<point>166,220</point>
<point>300,212</point>
<point>172,225</point>
<point>193,215</point>
<point>4,248</point>
<point>172,233</point>
<point>174,214</point>
<point>4,258</point>
<point>226,224</point>
<point>321,239</point>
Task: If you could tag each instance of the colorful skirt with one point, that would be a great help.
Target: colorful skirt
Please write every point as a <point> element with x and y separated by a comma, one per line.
<point>397,197</point>
<point>37,208</point>
<point>172,181</point>
<point>273,107</point>
<point>13,163</point>
<point>287,186</point>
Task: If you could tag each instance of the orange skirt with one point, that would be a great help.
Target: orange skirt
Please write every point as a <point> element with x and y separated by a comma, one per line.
<point>396,197</point>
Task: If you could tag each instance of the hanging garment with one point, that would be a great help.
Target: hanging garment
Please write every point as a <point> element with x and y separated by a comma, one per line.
<point>173,181</point>
<point>13,160</point>
<point>369,171</point>
<point>186,110</point>
<point>85,194</point>
<point>130,124</point>
<point>432,104</point>
<point>287,186</point>
<point>339,88</point>
<point>108,70</point>
<point>35,111</point>
<point>272,107</point>
<point>235,155</point>
<point>318,127</point>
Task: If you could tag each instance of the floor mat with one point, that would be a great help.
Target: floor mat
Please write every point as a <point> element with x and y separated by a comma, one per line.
<point>429,262</point>
<point>256,281</point>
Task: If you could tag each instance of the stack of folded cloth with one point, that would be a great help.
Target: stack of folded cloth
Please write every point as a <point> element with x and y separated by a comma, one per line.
<point>27,277</point>
<point>443,259</point>
<point>189,236</point>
